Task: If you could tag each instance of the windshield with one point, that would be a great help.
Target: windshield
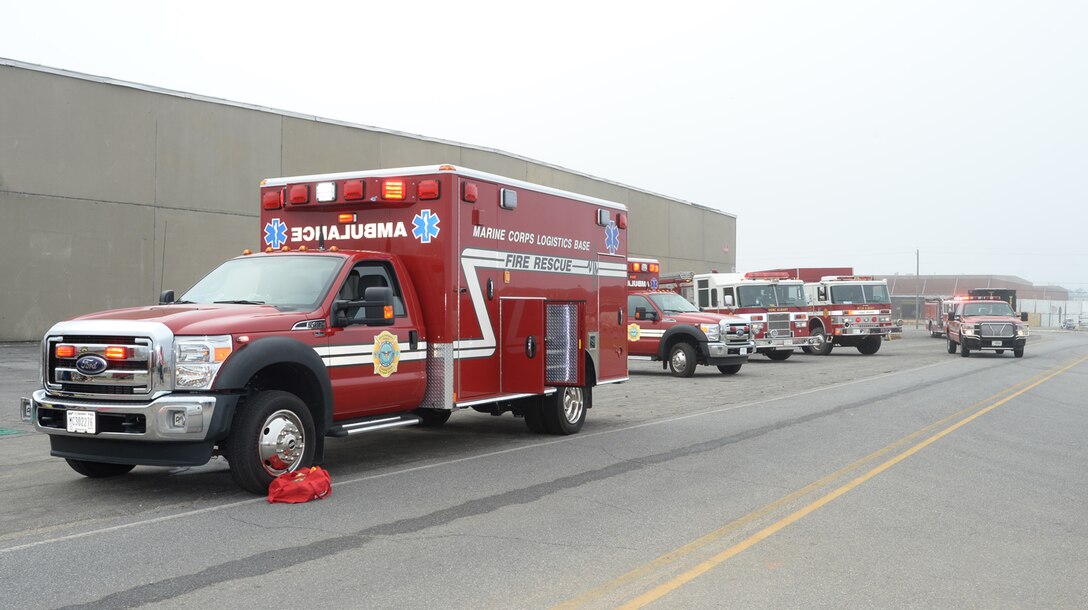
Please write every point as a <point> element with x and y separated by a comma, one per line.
<point>987,309</point>
<point>771,295</point>
<point>854,294</point>
<point>290,282</point>
<point>672,302</point>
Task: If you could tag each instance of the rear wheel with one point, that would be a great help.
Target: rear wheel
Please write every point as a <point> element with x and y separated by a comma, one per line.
<point>682,360</point>
<point>565,411</point>
<point>433,418</point>
<point>729,369</point>
<point>271,434</point>
<point>780,354</point>
<point>823,344</point>
<point>534,415</point>
<point>869,345</point>
<point>98,470</point>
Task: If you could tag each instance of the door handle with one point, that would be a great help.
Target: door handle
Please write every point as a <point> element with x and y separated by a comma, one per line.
<point>413,340</point>
<point>530,347</point>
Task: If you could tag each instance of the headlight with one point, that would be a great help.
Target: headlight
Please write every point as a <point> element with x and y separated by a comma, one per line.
<point>712,331</point>
<point>197,360</point>
<point>1021,330</point>
<point>967,329</point>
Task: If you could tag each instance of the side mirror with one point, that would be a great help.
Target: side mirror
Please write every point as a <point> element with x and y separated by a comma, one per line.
<point>642,314</point>
<point>1023,316</point>
<point>821,293</point>
<point>376,309</point>
<point>166,297</point>
<point>727,300</point>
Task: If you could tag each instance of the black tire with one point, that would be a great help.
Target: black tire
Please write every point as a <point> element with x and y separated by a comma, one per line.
<point>823,346</point>
<point>1018,352</point>
<point>778,355</point>
<point>869,345</point>
<point>964,350</point>
<point>534,415</point>
<point>807,349</point>
<point>285,425</point>
<point>682,360</point>
<point>99,470</point>
<point>433,418</point>
<point>565,410</point>
<point>729,369</point>
<point>951,346</point>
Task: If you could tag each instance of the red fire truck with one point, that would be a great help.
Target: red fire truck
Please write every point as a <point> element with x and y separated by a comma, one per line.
<point>643,273</point>
<point>666,327</point>
<point>852,311</point>
<point>936,312</point>
<point>382,298</point>
<point>772,302</point>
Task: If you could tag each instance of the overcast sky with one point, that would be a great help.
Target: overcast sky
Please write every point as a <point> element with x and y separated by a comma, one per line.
<point>839,133</point>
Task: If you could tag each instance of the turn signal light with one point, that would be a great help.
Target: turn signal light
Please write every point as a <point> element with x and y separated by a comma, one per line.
<point>221,353</point>
<point>388,312</point>
<point>65,351</point>
<point>115,352</point>
<point>346,218</point>
<point>393,190</point>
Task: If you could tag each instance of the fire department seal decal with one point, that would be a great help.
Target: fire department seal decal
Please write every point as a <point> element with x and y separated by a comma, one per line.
<point>634,332</point>
<point>386,354</point>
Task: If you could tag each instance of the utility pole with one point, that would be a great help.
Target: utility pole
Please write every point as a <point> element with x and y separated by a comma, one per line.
<point>917,287</point>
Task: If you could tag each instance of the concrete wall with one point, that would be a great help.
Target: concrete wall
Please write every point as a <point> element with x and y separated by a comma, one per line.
<point>110,192</point>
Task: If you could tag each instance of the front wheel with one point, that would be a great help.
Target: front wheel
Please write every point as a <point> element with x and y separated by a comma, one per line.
<point>1018,352</point>
<point>682,360</point>
<point>729,369</point>
<point>951,346</point>
<point>779,355</point>
<point>270,434</point>
<point>869,345</point>
<point>98,470</point>
<point>565,411</point>
<point>823,344</point>
<point>807,349</point>
<point>964,350</point>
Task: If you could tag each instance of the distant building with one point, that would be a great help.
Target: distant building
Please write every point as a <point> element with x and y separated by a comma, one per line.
<point>908,290</point>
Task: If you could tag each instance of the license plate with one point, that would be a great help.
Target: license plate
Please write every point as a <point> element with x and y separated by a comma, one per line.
<point>81,422</point>
<point>744,351</point>
<point>996,344</point>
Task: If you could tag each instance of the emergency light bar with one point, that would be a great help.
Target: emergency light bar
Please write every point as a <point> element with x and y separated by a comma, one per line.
<point>767,275</point>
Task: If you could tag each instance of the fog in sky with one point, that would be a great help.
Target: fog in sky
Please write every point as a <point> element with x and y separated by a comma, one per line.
<point>839,133</point>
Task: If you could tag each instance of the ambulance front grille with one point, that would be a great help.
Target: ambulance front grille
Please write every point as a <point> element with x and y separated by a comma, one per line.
<point>561,341</point>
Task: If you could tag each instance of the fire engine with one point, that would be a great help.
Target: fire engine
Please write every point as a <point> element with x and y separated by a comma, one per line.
<point>382,299</point>
<point>936,312</point>
<point>852,311</point>
<point>978,323</point>
<point>772,302</point>
<point>666,327</point>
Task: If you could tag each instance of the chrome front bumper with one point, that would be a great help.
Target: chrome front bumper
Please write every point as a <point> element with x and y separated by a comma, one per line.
<point>171,418</point>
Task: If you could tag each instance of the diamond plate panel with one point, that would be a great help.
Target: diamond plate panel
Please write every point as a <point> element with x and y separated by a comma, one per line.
<point>561,339</point>
<point>439,392</point>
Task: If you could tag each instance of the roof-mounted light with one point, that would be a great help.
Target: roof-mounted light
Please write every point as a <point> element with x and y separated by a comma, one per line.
<point>298,194</point>
<point>394,190</point>
<point>354,190</point>
<point>272,200</point>
<point>326,192</point>
<point>428,189</point>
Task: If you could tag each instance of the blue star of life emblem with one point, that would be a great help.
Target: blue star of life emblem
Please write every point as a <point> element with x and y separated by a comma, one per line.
<point>425,226</point>
<point>612,238</point>
<point>275,233</point>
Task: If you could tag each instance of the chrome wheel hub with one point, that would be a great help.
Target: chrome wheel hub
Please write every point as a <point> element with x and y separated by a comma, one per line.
<point>281,443</point>
<point>573,404</point>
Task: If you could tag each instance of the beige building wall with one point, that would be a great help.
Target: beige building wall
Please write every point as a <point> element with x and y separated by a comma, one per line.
<point>111,192</point>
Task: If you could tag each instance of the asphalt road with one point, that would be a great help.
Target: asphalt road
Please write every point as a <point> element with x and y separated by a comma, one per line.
<point>911,478</point>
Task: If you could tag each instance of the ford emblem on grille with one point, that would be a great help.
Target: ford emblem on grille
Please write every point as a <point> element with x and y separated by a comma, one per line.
<point>91,364</point>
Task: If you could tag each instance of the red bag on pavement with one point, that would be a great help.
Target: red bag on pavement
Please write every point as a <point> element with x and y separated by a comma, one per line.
<point>300,486</point>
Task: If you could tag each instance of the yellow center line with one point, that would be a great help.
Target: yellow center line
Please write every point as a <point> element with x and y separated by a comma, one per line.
<point>675,583</point>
